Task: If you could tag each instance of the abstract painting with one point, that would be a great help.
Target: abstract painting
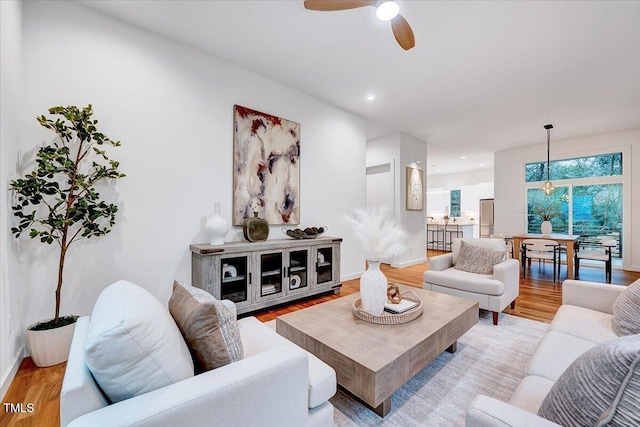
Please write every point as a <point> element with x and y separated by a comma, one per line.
<point>266,167</point>
<point>414,189</point>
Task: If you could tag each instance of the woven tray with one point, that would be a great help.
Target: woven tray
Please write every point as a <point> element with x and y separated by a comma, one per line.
<point>387,318</point>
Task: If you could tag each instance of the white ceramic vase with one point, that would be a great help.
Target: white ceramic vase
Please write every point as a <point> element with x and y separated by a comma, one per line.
<point>217,227</point>
<point>546,228</point>
<point>373,289</point>
<point>50,347</point>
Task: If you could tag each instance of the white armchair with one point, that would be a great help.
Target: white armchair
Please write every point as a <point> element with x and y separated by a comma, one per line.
<point>494,292</point>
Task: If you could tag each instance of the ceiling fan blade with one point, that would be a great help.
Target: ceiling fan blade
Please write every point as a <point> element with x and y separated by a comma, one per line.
<point>403,32</point>
<point>331,5</point>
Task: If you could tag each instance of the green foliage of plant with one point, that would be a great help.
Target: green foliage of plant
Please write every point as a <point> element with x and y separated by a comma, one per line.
<point>58,201</point>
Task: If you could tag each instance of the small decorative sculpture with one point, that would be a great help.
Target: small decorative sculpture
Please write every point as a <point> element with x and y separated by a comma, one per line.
<point>393,293</point>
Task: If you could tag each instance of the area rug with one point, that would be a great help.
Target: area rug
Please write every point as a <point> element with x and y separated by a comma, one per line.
<point>490,360</point>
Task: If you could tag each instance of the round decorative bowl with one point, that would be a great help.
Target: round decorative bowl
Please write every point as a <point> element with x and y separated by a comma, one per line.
<point>307,233</point>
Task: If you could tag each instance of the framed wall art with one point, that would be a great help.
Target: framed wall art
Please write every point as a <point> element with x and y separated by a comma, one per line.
<point>266,167</point>
<point>415,196</point>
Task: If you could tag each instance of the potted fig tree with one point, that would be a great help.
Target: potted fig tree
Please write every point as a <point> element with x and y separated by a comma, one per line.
<point>59,202</point>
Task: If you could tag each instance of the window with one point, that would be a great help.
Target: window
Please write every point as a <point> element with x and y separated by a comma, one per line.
<point>581,167</point>
<point>587,200</point>
<point>455,203</point>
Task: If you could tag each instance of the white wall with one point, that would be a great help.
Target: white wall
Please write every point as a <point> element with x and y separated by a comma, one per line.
<point>510,200</point>
<point>11,342</point>
<point>412,151</point>
<point>172,108</point>
<point>455,180</point>
<point>401,150</point>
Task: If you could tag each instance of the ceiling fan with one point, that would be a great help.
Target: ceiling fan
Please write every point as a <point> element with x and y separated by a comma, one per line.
<point>386,10</point>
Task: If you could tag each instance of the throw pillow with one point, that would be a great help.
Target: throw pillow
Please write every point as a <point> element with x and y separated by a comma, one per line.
<point>208,327</point>
<point>599,388</point>
<point>490,243</point>
<point>133,345</point>
<point>474,259</point>
<point>626,311</point>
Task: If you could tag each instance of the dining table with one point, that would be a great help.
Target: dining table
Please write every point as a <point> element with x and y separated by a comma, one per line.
<point>563,239</point>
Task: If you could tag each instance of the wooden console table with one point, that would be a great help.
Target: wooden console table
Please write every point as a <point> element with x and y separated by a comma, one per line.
<point>564,239</point>
<point>262,274</point>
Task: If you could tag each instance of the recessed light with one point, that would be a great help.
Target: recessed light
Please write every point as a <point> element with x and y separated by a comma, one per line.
<point>371,97</point>
<point>481,164</point>
<point>439,170</point>
<point>463,157</point>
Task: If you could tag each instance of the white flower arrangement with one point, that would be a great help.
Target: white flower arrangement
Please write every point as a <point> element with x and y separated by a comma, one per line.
<point>380,235</point>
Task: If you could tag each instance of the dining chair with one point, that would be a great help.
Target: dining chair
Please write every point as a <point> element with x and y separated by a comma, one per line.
<point>508,242</point>
<point>599,251</point>
<point>540,249</point>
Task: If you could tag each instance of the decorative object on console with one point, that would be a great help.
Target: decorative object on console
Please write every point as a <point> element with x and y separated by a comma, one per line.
<point>217,227</point>
<point>415,197</point>
<point>295,282</point>
<point>381,238</point>
<point>58,202</point>
<point>393,293</point>
<point>255,229</point>
<point>265,147</point>
<point>307,233</point>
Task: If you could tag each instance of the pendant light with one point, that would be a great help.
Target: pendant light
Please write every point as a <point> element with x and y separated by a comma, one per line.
<point>548,186</point>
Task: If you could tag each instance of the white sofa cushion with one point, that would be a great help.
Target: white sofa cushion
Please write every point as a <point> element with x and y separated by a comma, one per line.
<point>208,327</point>
<point>571,320</point>
<point>555,352</point>
<point>600,388</point>
<point>258,337</point>
<point>133,345</point>
<point>465,281</point>
<point>493,244</point>
<point>531,393</point>
<point>626,311</point>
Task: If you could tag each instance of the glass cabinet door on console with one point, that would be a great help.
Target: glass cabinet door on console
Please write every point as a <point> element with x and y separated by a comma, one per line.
<point>297,270</point>
<point>235,279</point>
<point>324,265</point>
<point>270,275</point>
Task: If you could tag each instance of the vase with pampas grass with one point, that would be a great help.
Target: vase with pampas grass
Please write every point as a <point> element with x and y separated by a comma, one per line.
<point>381,238</point>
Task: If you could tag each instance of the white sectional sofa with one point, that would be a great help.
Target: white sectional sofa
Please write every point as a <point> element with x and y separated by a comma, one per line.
<point>276,383</point>
<point>583,321</point>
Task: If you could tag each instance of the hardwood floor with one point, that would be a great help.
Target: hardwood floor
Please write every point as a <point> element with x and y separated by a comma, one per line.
<point>539,300</point>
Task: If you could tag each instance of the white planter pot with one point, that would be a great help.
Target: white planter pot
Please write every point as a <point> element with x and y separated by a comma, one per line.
<point>373,289</point>
<point>51,346</point>
<point>546,228</point>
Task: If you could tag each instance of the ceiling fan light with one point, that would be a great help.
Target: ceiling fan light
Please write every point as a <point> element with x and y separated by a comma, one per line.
<point>387,10</point>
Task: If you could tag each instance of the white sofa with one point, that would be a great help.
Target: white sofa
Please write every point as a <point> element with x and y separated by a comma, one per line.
<point>277,383</point>
<point>583,321</point>
<point>493,292</point>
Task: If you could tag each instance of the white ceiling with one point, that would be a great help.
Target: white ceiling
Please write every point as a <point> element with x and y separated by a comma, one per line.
<point>484,75</point>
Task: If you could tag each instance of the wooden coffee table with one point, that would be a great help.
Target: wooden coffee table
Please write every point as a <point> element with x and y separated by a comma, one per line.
<point>372,361</point>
